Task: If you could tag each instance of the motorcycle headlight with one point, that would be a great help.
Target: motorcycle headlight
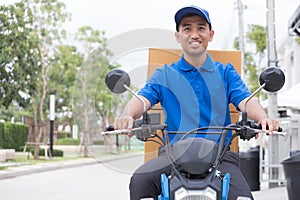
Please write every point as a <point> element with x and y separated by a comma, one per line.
<point>206,194</point>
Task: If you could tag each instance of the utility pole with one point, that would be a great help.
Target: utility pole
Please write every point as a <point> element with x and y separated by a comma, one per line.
<point>272,96</point>
<point>240,8</point>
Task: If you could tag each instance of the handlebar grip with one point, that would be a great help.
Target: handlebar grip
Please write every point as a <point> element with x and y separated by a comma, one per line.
<point>137,123</point>
<point>110,128</point>
<point>258,126</point>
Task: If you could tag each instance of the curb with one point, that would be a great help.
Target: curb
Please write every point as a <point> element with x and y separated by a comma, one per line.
<point>13,172</point>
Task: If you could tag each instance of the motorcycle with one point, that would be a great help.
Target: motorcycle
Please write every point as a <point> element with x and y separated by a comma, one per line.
<point>194,161</point>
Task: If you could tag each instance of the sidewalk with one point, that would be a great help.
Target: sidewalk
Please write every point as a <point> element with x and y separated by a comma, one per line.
<point>265,193</point>
<point>25,169</point>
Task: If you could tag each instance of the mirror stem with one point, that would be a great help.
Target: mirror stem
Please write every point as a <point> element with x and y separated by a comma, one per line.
<point>244,113</point>
<point>132,92</point>
<point>145,116</point>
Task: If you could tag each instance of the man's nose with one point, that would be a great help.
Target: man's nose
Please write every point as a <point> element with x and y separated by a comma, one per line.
<point>195,34</point>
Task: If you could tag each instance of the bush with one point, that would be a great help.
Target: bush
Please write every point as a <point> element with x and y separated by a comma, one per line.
<point>98,142</point>
<point>56,152</point>
<point>13,136</point>
<point>63,135</point>
<point>67,141</point>
<point>1,135</point>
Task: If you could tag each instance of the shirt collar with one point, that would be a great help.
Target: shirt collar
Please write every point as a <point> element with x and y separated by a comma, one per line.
<point>208,65</point>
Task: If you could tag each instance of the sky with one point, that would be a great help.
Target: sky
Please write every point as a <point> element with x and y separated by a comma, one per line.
<point>126,22</point>
<point>117,16</point>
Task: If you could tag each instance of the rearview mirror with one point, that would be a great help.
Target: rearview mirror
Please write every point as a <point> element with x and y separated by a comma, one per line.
<point>273,77</point>
<point>116,79</point>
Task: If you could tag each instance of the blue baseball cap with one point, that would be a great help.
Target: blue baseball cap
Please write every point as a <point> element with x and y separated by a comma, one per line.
<point>191,10</point>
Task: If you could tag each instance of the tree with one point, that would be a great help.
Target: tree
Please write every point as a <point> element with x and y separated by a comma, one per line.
<point>20,56</point>
<point>89,89</point>
<point>66,62</point>
<point>35,63</point>
<point>256,36</point>
<point>298,40</point>
<point>48,19</point>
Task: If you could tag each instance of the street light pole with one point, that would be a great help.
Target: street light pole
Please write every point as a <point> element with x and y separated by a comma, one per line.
<point>272,96</point>
<point>52,117</point>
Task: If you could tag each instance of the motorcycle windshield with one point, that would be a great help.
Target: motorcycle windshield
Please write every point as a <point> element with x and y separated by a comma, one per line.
<point>194,155</point>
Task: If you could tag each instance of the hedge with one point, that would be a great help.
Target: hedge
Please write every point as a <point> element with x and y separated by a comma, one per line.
<point>13,136</point>
<point>56,152</point>
<point>1,135</point>
<point>67,141</point>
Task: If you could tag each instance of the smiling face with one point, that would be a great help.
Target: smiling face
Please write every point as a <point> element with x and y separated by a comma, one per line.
<point>194,34</point>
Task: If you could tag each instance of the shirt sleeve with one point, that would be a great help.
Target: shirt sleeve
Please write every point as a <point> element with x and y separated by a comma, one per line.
<point>236,88</point>
<point>151,89</point>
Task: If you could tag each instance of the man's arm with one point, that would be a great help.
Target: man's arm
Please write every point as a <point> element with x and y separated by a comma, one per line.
<point>131,112</point>
<point>258,114</point>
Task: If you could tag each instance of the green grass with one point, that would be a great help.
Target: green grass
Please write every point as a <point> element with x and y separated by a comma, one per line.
<point>24,159</point>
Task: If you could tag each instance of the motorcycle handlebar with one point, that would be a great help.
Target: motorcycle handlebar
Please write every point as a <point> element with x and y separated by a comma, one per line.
<point>142,131</point>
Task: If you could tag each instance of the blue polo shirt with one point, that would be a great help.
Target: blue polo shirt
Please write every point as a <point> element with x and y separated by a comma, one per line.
<point>195,97</point>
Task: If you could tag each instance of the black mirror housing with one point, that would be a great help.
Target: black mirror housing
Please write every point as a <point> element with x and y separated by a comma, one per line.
<point>273,77</point>
<point>116,79</point>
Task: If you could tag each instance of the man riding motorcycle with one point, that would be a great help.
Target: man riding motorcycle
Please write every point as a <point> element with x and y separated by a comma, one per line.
<point>194,92</point>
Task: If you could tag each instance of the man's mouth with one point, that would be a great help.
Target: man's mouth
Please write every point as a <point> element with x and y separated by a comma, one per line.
<point>195,43</point>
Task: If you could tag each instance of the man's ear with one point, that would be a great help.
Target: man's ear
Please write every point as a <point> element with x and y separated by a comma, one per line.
<point>177,37</point>
<point>211,35</point>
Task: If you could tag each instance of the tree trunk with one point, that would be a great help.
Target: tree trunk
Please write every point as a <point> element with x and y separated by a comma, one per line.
<point>35,131</point>
<point>86,138</point>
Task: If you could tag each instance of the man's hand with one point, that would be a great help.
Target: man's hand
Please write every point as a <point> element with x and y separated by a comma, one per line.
<point>125,122</point>
<point>273,125</point>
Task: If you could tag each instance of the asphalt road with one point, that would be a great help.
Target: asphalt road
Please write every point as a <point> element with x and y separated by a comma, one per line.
<point>108,180</point>
<point>90,182</point>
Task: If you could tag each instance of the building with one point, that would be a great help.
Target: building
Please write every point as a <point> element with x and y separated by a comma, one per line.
<point>289,61</point>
